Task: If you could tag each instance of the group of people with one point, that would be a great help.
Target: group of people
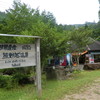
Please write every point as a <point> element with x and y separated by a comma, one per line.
<point>64,61</point>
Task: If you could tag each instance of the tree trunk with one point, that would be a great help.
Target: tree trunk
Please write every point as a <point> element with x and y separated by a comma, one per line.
<point>78,61</point>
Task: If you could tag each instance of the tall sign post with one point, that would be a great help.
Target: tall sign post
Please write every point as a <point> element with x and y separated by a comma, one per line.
<point>21,55</point>
<point>38,67</point>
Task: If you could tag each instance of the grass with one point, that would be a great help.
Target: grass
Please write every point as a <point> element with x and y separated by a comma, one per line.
<point>52,90</point>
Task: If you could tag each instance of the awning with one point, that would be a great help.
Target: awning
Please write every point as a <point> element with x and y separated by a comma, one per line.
<point>76,53</point>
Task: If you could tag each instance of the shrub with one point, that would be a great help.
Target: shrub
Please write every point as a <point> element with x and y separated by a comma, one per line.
<point>20,79</point>
<point>6,81</point>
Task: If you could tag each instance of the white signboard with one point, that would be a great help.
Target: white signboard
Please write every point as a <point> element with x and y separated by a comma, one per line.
<point>17,55</point>
<point>91,59</point>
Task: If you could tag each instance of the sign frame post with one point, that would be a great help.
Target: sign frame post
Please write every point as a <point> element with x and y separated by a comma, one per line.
<point>38,68</point>
<point>38,60</point>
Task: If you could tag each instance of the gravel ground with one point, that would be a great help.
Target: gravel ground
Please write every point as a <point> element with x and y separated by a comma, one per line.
<point>91,93</point>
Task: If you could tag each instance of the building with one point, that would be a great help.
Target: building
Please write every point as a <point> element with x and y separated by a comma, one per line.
<point>92,56</point>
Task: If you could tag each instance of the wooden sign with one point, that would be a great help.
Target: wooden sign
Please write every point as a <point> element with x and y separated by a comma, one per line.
<point>17,55</point>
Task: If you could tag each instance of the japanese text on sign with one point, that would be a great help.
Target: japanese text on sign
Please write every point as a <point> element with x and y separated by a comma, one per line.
<point>17,55</point>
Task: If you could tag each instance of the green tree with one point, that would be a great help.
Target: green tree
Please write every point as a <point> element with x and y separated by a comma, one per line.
<point>52,42</point>
<point>48,17</point>
<point>2,16</point>
<point>79,38</point>
<point>19,18</point>
<point>96,31</point>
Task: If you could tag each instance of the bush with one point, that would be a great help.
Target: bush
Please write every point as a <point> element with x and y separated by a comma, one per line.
<point>6,81</point>
<point>20,79</point>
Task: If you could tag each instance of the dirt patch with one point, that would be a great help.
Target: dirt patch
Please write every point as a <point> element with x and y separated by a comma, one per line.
<point>91,93</point>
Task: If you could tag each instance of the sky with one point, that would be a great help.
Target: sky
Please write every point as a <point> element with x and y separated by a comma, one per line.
<point>65,11</point>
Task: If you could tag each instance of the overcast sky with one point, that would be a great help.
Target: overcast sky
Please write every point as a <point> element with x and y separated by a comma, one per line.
<point>65,11</point>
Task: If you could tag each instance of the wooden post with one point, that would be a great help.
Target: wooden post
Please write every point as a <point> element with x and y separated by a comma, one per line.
<point>38,68</point>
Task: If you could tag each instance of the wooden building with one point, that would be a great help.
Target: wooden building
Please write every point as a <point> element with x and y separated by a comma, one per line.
<point>92,57</point>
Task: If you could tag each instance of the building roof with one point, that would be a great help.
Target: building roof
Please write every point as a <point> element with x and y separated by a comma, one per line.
<point>94,46</point>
